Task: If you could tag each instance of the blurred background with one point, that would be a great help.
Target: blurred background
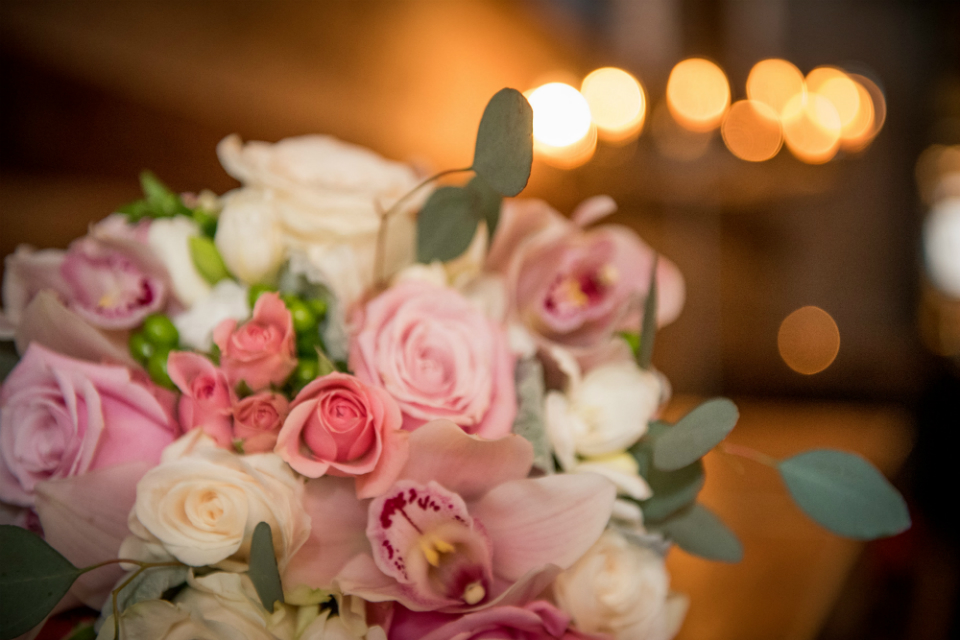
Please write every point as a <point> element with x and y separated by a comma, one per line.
<point>812,200</point>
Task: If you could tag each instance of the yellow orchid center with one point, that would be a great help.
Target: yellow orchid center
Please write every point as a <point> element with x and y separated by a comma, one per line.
<point>474,593</point>
<point>431,546</point>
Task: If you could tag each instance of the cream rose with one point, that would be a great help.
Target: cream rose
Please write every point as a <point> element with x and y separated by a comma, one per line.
<point>249,236</point>
<point>201,504</point>
<point>621,589</point>
<point>325,197</point>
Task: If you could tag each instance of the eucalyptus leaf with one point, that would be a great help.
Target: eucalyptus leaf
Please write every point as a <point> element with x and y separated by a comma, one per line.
<point>695,434</point>
<point>151,584</point>
<point>698,531</point>
<point>445,225</point>
<point>672,490</point>
<point>504,151</point>
<point>33,578</point>
<point>263,567</point>
<point>207,259</point>
<point>648,327</point>
<point>485,203</point>
<point>845,494</point>
<point>529,422</point>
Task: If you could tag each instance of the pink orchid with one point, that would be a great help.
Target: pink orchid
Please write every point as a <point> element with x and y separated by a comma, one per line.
<point>207,398</point>
<point>462,529</point>
<point>538,620</point>
<point>574,287</point>
<point>261,351</point>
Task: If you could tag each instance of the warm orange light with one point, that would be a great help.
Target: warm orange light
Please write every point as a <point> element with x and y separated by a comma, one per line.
<point>843,93</point>
<point>811,128</point>
<point>751,131</point>
<point>857,133</point>
<point>808,340</point>
<point>698,94</point>
<point>672,140</point>
<point>773,82</point>
<point>617,103</point>
<point>570,156</point>
<point>561,116</point>
<point>878,106</point>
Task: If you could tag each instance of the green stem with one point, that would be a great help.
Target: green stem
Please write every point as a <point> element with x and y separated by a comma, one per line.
<point>396,205</point>
<point>748,453</point>
<point>114,561</point>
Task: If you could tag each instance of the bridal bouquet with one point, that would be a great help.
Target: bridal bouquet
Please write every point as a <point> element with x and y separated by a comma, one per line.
<point>343,402</point>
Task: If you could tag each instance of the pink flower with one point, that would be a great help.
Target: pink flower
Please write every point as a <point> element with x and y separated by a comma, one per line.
<point>438,356</point>
<point>61,417</point>
<point>262,351</point>
<point>538,620</point>
<point>207,398</point>
<point>341,426</point>
<point>257,421</point>
<point>575,288</point>
<point>462,529</point>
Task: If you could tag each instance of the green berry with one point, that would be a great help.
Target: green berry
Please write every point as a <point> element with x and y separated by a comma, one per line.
<point>140,348</point>
<point>157,368</point>
<point>308,343</point>
<point>289,299</point>
<point>318,306</point>
<point>158,329</point>
<point>255,292</point>
<point>306,372</point>
<point>303,319</point>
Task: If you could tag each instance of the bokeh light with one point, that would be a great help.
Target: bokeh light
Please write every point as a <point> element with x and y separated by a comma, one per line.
<point>857,133</point>
<point>808,340</point>
<point>837,87</point>
<point>617,103</point>
<point>878,106</point>
<point>561,115</point>
<point>811,128</point>
<point>773,82</point>
<point>698,94</point>
<point>751,131</point>
<point>563,131</point>
<point>941,245</point>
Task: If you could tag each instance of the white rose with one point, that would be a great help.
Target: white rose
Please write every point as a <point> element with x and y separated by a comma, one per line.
<point>201,503</point>
<point>227,299</point>
<point>160,620</point>
<point>230,599</point>
<point>621,589</point>
<point>349,624</point>
<point>249,236</point>
<point>170,240</point>
<point>328,195</point>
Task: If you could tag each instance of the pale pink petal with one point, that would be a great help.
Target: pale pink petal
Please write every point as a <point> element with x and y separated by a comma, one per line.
<point>465,464</point>
<point>519,221</point>
<point>85,518</point>
<point>362,578</point>
<point>550,520</point>
<point>592,210</point>
<point>49,323</point>
<point>338,522</point>
<point>393,458</point>
<point>526,588</point>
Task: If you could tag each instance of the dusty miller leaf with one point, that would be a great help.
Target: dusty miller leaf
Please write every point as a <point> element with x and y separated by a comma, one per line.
<point>648,327</point>
<point>529,422</point>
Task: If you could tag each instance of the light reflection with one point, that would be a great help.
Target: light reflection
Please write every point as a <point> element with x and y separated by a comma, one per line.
<point>751,131</point>
<point>698,94</point>
<point>617,103</point>
<point>878,105</point>
<point>561,116</point>
<point>773,82</point>
<point>811,128</point>
<point>808,340</point>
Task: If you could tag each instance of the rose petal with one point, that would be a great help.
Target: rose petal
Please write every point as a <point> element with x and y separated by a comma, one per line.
<point>551,520</point>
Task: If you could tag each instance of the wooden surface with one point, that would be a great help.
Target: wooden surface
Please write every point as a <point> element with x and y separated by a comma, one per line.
<point>792,570</point>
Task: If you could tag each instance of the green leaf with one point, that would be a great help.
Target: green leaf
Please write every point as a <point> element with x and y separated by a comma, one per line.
<point>672,490</point>
<point>504,151</point>
<point>445,225</point>
<point>33,578</point>
<point>529,422</point>
<point>149,585</point>
<point>845,494</point>
<point>263,567</point>
<point>695,434</point>
<point>648,327</point>
<point>485,203</point>
<point>324,364</point>
<point>206,258</point>
<point>162,202</point>
<point>8,359</point>
<point>699,531</point>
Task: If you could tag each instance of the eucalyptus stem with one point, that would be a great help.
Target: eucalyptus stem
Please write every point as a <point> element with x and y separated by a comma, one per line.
<point>748,453</point>
<point>396,205</point>
<point>116,592</point>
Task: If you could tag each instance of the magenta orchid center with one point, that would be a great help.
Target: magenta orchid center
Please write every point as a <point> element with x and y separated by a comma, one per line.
<point>110,291</point>
<point>572,293</point>
<point>423,537</point>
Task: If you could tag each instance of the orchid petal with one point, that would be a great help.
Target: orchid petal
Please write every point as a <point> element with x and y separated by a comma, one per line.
<point>393,458</point>
<point>465,464</point>
<point>337,532</point>
<point>85,518</point>
<point>551,520</point>
<point>592,210</point>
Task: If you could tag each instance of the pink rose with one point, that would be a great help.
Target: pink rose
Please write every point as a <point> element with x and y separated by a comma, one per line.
<point>438,356</point>
<point>262,351</point>
<point>575,288</point>
<point>339,425</point>
<point>61,417</point>
<point>207,398</point>
<point>538,620</point>
<point>257,421</point>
